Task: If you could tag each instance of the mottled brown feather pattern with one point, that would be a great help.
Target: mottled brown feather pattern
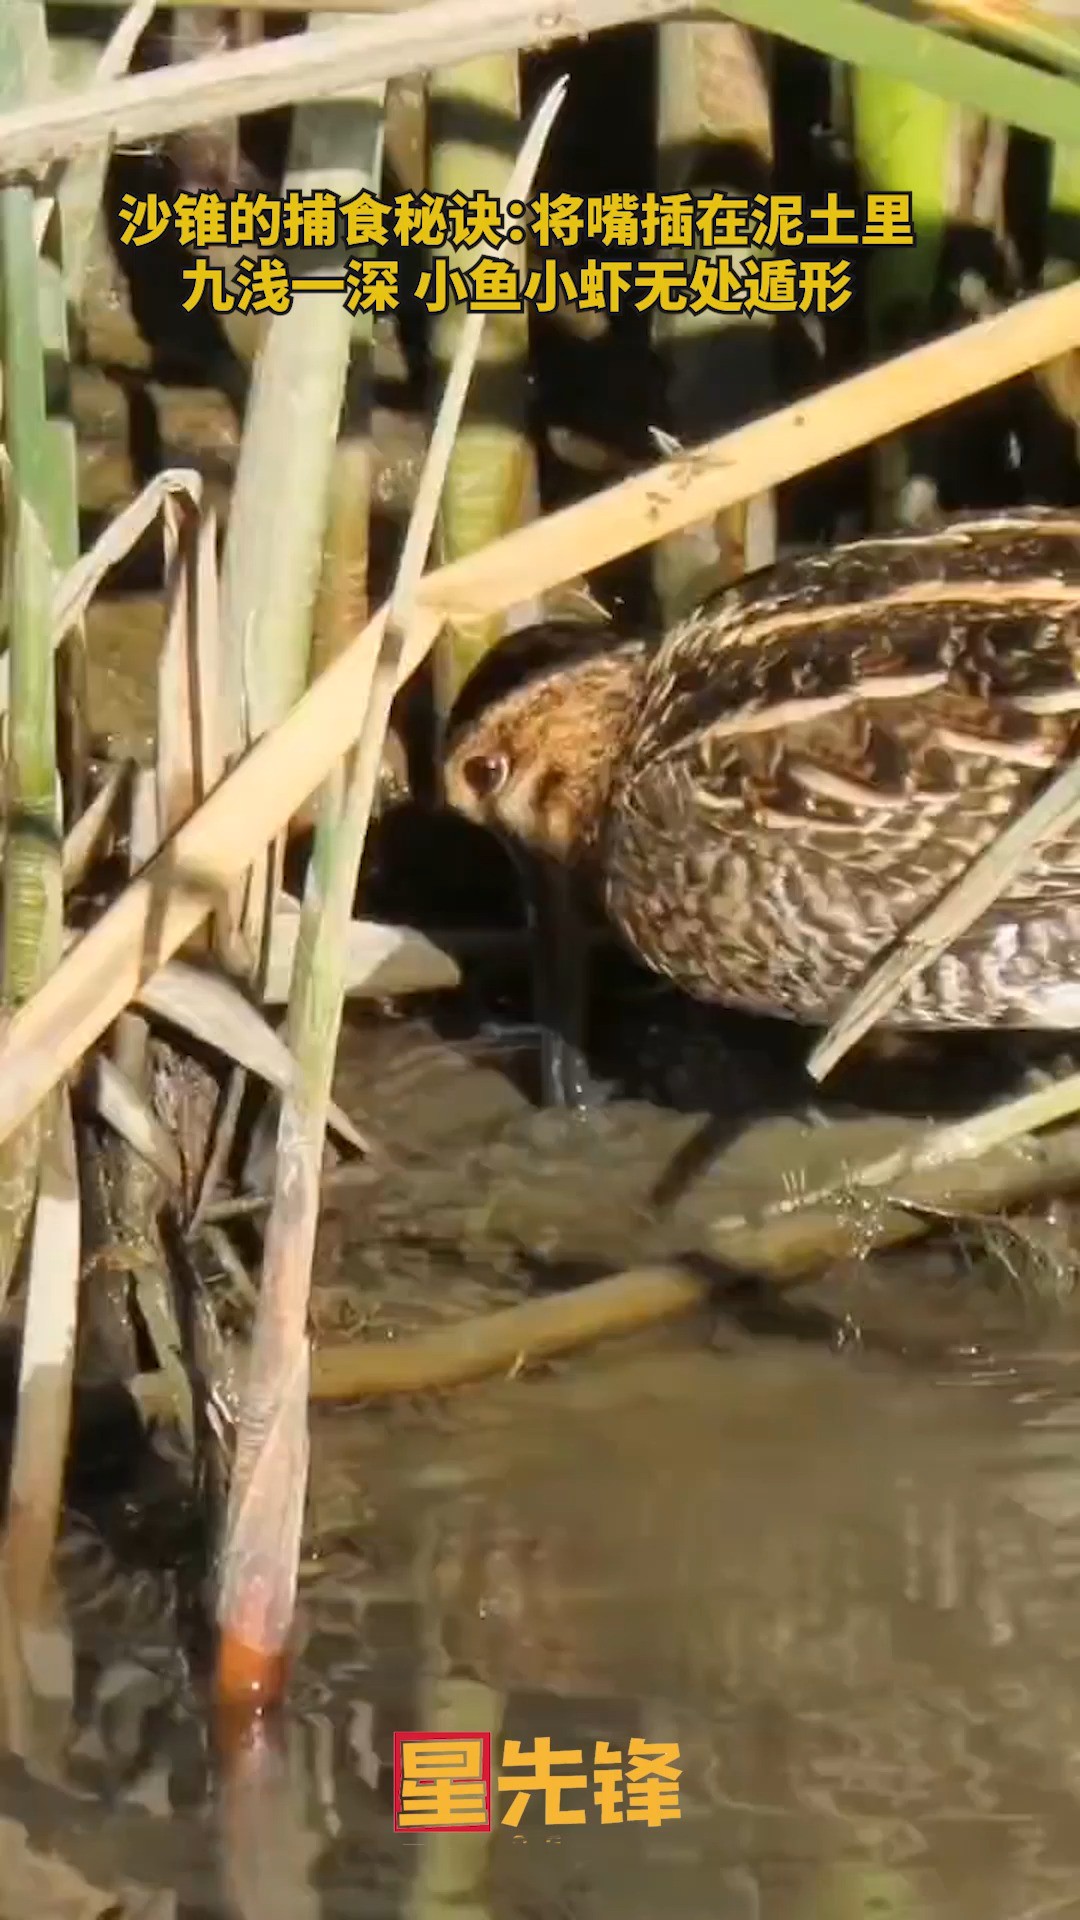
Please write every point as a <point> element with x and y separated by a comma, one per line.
<point>804,765</point>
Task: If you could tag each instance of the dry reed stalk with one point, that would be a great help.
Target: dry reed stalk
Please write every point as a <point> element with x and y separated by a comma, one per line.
<point>86,836</point>
<point>210,1009</point>
<point>156,913</point>
<point>492,483</point>
<point>269,1483</point>
<point>277,519</point>
<point>983,1165</point>
<point>297,67</point>
<point>270,567</point>
<point>186,702</point>
<point>241,7</point>
<point>190,760</point>
<point>713,103</point>
<point>113,1098</point>
<point>1005,18</point>
<point>452,1874</point>
<point>46,1370</point>
<point>136,1185</point>
<point>435,34</point>
<point>78,586</point>
<point>343,601</point>
<point>1050,816</point>
<point>379,960</point>
<point>79,187</point>
<point>279,513</point>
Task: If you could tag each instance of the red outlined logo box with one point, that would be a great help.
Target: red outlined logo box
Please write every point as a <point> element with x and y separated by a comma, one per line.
<point>442,1783</point>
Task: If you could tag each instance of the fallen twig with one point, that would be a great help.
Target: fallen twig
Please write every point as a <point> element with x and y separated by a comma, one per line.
<point>787,1242</point>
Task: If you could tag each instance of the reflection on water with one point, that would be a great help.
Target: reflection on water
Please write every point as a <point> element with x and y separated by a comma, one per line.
<point>849,1591</point>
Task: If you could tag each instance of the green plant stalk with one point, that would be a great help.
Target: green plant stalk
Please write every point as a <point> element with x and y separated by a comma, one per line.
<point>266,1499</point>
<point>1059,379</point>
<point>38,495</point>
<point>343,603</point>
<point>273,562</point>
<point>711,93</point>
<point>273,550</point>
<point>54,492</point>
<point>281,498</point>
<point>905,139</point>
<point>491,484</point>
<point>997,86</point>
<point>64,258</point>
<point>1063,247</point>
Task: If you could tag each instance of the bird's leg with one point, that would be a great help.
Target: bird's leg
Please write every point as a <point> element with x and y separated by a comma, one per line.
<point>560,976</point>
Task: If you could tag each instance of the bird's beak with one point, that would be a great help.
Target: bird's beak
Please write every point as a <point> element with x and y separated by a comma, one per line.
<point>559,938</point>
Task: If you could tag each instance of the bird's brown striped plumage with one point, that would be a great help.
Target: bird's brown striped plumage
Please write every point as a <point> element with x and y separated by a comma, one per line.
<point>802,766</point>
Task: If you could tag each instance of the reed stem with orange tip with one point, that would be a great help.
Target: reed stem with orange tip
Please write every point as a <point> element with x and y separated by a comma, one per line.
<point>269,1483</point>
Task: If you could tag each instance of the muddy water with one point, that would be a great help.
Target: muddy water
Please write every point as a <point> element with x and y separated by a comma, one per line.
<point>848,1588</point>
<point>847,1585</point>
<point>843,1579</point>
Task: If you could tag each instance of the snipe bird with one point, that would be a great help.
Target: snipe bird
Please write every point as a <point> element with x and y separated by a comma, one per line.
<point>765,798</point>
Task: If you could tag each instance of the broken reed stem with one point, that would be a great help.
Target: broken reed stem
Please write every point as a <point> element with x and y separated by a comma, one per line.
<point>266,1500</point>
<point>157,912</point>
<point>310,66</point>
<point>983,1165</point>
<point>46,1371</point>
<point>1056,810</point>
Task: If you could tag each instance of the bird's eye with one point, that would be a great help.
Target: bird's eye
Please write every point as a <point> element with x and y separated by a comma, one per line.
<point>486,773</point>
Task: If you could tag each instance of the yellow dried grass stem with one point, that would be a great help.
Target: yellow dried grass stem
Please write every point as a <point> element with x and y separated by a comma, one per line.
<point>157,912</point>
<point>439,32</point>
<point>297,66</point>
<point>978,1167</point>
